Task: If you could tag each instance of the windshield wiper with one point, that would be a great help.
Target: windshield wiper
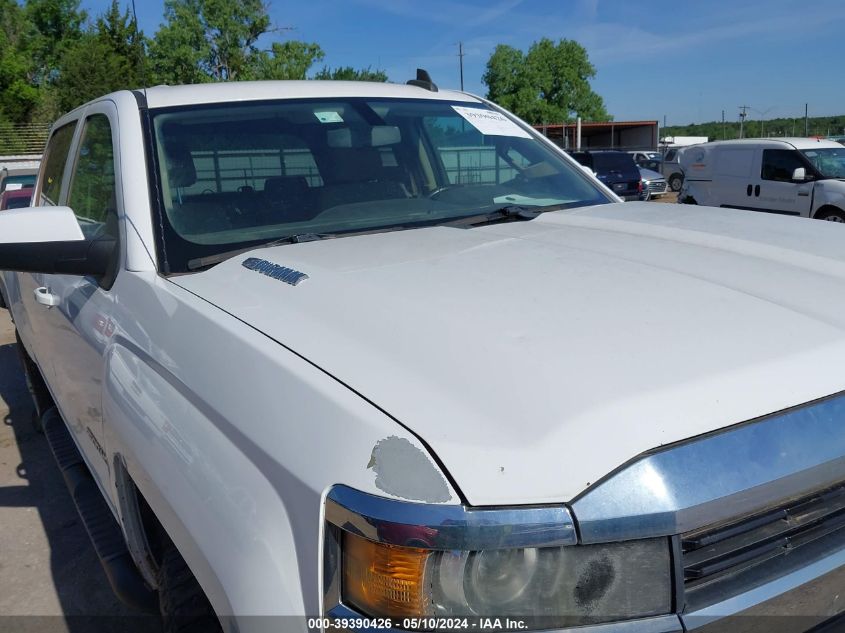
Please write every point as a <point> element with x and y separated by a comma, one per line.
<point>505,213</point>
<point>211,260</point>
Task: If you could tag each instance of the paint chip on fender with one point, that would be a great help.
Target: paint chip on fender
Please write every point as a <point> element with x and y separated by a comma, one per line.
<point>405,471</point>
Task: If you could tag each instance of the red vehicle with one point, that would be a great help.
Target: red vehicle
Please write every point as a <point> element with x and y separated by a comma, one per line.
<point>16,199</point>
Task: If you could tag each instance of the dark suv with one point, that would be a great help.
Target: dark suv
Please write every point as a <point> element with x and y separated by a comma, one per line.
<point>617,170</point>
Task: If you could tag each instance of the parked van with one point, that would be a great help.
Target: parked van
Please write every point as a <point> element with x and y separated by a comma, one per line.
<point>671,167</point>
<point>791,176</point>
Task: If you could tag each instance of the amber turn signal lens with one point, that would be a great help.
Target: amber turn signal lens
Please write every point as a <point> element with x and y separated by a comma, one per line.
<point>384,580</point>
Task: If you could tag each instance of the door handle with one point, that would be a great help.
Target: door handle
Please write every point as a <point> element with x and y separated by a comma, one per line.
<point>757,191</point>
<point>45,297</point>
<point>748,190</point>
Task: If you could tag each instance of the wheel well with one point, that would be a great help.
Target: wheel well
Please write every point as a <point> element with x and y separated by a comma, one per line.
<point>145,536</point>
<point>827,209</point>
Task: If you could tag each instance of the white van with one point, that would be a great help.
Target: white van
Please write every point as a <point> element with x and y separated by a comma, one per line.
<point>791,176</point>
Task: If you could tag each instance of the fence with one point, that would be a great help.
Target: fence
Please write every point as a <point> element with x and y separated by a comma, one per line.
<point>22,139</point>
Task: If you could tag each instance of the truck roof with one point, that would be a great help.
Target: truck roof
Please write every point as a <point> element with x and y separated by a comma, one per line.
<point>788,142</point>
<point>165,96</point>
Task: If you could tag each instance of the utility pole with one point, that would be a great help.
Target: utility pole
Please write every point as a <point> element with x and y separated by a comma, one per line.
<point>742,116</point>
<point>461,57</point>
<point>723,125</point>
<point>806,120</point>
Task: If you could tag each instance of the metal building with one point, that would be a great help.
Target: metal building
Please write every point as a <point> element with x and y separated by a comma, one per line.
<point>622,135</point>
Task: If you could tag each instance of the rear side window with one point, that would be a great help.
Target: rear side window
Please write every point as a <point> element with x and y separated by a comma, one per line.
<point>92,191</point>
<point>778,164</point>
<point>612,161</point>
<point>55,159</point>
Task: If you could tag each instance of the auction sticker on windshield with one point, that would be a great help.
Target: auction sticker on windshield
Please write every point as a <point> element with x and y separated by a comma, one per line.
<point>491,123</point>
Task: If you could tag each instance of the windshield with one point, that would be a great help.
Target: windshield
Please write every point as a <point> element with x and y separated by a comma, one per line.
<point>830,161</point>
<point>18,182</point>
<point>237,175</point>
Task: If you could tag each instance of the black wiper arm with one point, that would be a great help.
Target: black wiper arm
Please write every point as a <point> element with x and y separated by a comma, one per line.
<point>211,260</point>
<point>505,213</point>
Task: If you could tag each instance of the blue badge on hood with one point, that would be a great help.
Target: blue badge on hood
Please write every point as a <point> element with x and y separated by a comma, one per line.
<point>282,273</point>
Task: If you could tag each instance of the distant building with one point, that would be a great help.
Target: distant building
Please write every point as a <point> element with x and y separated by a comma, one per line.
<point>623,135</point>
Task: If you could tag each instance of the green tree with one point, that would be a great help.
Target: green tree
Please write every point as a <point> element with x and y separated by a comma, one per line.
<point>549,84</point>
<point>347,73</point>
<point>285,60</point>
<point>18,95</point>
<point>110,56</point>
<point>56,25</point>
<point>217,40</point>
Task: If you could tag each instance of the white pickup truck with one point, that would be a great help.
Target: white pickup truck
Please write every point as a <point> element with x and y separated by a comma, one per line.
<point>381,356</point>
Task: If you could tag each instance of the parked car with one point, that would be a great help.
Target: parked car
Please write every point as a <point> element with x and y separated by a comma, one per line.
<point>17,177</point>
<point>792,176</point>
<point>654,184</point>
<point>671,168</point>
<point>15,198</point>
<point>348,352</point>
<point>615,169</point>
<point>647,160</point>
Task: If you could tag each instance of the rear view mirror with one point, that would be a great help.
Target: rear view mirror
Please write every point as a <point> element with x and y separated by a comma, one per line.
<point>50,240</point>
<point>799,174</point>
<point>39,224</point>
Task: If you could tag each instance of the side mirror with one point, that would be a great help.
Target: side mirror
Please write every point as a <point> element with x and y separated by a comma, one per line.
<point>800,174</point>
<point>49,240</point>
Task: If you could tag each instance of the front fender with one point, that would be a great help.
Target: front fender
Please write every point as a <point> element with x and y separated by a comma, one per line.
<point>233,444</point>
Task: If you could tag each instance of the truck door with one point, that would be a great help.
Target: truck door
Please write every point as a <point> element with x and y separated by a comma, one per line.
<point>21,286</point>
<point>776,191</point>
<point>74,313</point>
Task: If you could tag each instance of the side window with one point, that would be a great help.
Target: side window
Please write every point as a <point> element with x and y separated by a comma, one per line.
<point>670,155</point>
<point>55,159</point>
<point>778,164</point>
<point>92,188</point>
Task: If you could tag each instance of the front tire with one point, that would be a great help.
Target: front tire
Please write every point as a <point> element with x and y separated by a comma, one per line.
<point>184,607</point>
<point>676,181</point>
<point>831,215</point>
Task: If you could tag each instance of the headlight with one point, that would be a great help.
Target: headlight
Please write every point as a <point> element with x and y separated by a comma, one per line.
<point>549,587</point>
<point>562,586</point>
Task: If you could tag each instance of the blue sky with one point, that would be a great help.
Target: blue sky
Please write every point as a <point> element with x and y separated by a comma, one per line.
<point>675,58</point>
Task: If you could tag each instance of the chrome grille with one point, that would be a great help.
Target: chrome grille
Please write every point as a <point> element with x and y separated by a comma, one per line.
<point>762,546</point>
<point>657,186</point>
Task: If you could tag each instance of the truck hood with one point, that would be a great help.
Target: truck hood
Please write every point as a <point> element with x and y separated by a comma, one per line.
<point>535,357</point>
